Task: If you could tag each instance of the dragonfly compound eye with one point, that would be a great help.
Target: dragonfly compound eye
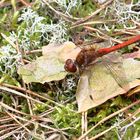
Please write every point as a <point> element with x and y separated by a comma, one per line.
<point>70,66</point>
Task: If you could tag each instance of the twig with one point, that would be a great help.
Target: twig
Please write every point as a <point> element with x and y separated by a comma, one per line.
<point>18,122</point>
<point>59,13</point>
<point>14,131</point>
<point>42,125</point>
<point>9,41</point>
<point>124,121</point>
<point>102,133</point>
<point>107,118</point>
<point>32,93</point>
<point>8,125</point>
<point>103,36</point>
<point>132,123</point>
<point>93,14</point>
<point>7,3</point>
<point>135,22</point>
<point>33,51</point>
<point>5,119</point>
<point>84,123</point>
<point>20,94</point>
<point>25,3</point>
<point>92,23</point>
<point>24,85</point>
<point>7,130</point>
<point>130,31</point>
<point>12,109</point>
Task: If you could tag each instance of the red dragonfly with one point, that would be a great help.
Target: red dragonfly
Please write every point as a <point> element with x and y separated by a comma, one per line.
<point>88,55</point>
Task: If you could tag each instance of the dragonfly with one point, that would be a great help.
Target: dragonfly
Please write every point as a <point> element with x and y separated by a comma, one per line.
<point>89,55</point>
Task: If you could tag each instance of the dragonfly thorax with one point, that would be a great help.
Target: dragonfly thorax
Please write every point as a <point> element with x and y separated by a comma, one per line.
<point>85,57</point>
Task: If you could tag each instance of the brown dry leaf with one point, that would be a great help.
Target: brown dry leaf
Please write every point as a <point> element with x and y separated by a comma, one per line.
<point>97,85</point>
<point>132,55</point>
<point>44,69</point>
<point>63,51</point>
<point>133,91</point>
<point>50,66</point>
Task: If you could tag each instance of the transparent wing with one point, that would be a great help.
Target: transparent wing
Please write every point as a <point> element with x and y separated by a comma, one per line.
<point>106,79</point>
<point>114,64</point>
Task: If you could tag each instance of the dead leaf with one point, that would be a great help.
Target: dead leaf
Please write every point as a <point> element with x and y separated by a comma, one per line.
<point>133,91</point>
<point>44,69</point>
<point>97,85</point>
<point>63,51</point>
<point>132,55</point>
<point>50,66</point>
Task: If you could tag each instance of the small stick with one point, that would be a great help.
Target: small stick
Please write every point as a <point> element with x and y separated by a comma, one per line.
<point>25,3</point>
<point>108,117</point>
<point>93,14</point>
<point>59,13</point>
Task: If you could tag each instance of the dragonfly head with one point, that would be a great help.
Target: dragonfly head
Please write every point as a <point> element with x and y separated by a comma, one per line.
<point>70,66</point>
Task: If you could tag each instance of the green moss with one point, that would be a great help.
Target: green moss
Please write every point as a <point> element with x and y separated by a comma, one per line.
<point>66,118</point>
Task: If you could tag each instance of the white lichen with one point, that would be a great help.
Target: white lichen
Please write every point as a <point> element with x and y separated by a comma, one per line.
<point>33,31</point>
<point>36,26</point>
<point>70,84</point>
<point>9,59</point>
<point>67,5</point>
<point>126,15</point>
<point>126,12</point>
<point>122,127</point>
